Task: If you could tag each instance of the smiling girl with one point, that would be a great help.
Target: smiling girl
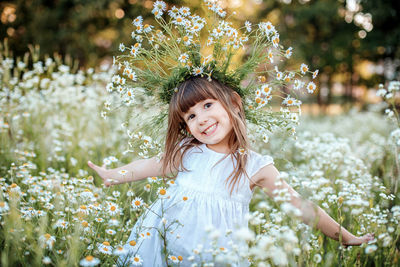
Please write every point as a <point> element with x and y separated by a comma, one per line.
<point>208,152</point>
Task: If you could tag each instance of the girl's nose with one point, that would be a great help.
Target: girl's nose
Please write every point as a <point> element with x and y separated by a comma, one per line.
<point>203,119</point>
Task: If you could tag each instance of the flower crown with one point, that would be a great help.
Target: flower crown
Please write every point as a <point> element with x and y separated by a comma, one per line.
<point>187,45</point>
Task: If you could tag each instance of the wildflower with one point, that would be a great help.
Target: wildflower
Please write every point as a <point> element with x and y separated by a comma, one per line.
<point>116,193</point>
<point>242,151</point>
<point>173,259</point>
<point>133,76</point>
<point>381,92</point>
<point>3,207</point>
<point>47,240</point>
<point>83,209</point>
<point>371,248</point>
<point>303,68</point>
<point>160,6</point>
<point>288,101</point>
<point>123,172</point>
<point>122,47</point>
<point>185,198</point>
<point>138,21</point>
<point>147,187</point>
<point>244,234</point>
<point>266,89</point>
<point>270,56</point>
<point>136,260</point>
<point>137,203</point>
<point>153,179</point>
<point>171,182</point>
<point>294,117</point>
<point>314,74</point>
<point>265,138</point>
<point>298,84</point>
<point>134,51</point>
<point>183,58</point>
<point>210,41</point>
<point>311,87</point>
<point>279,75</point>
<point>173,12</point>
<point>288,52</point>
<point>275,40</point>
<point>247,24</point>
<point>161,191</point>
<point>147,28</point>
<point>119,251</point>
<point>145,235</point>
<point>89,261</point>
<point>112,208</point>
<point>105,248</point>
<point>113,222</point>
<point>46,260</point>
<point>61,224</point>
<point>197,71</point>
<point>179,20</point>
<point>110,231</point>
<point>98,219</point>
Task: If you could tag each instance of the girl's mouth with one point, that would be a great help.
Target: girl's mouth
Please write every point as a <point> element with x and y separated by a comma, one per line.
<point>211,129</point>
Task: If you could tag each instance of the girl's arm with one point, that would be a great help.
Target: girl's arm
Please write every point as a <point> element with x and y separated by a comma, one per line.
<point>134,171</point>
<point>311,213</point>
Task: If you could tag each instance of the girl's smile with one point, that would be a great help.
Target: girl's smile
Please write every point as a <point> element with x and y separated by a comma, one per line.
<point>210,124</point>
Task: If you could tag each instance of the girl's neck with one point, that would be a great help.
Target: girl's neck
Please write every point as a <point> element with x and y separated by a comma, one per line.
<point>219,148</point>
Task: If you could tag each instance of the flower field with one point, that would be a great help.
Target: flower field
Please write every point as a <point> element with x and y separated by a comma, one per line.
<point>54,212</point>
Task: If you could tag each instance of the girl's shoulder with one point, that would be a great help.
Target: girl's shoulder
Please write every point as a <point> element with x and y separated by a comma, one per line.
<point>256,161</point>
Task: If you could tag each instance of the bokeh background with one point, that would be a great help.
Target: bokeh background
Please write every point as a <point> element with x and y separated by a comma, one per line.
<point>354,43</point>
<point>344,157</point>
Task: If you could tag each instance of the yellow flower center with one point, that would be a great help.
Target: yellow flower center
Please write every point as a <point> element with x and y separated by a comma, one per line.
<point>132,243</point>
<point>163,191</point>
<point>89,258</point>
<point>105,243</point>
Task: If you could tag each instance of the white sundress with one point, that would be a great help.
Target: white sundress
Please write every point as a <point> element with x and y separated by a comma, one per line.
<point>208,203</point>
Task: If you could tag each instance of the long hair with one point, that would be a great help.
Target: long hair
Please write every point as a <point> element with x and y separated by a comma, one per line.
<point>179,141</point>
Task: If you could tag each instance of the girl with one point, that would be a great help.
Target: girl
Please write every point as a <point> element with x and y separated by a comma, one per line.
<point>216,173</point>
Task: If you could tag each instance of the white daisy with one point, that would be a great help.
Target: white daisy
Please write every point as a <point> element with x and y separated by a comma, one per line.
<point>183,58</point>
<point>247,24</point>
<point>197,71</point>
<point>89,261</point>
<point>303,68</point>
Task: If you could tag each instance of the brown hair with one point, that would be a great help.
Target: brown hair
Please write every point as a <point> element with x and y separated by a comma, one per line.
<point>179,141</point>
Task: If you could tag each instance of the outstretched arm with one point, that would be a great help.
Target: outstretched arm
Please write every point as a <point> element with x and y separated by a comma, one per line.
<point>267,177</point>
<point>134,171</point>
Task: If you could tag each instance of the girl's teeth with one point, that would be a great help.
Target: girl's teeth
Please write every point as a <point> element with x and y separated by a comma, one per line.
<point>210,129</point>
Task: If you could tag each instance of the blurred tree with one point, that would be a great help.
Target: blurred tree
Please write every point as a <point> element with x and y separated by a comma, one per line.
<point>85,29</point>
<point>321,38</point>
<point>382,44</point>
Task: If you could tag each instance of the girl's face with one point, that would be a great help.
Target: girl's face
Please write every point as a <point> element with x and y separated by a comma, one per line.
<point>210,124</point>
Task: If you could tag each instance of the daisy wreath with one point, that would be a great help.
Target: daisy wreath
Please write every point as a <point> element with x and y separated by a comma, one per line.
<point>185,45</point>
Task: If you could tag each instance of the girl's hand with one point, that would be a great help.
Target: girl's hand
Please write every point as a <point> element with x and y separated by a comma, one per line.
<point>102,172</point>
<point>356,241</point>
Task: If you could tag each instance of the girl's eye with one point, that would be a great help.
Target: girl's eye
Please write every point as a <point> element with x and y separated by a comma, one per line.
<point>208,105</point>
<point>191,116</point>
